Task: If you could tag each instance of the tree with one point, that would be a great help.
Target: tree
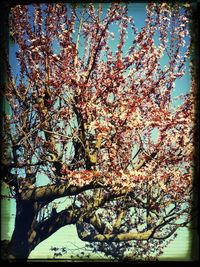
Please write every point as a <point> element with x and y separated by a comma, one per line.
<point>101,126</point>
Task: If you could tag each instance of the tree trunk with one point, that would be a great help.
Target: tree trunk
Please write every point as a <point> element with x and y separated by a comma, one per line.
<point>21,241</point>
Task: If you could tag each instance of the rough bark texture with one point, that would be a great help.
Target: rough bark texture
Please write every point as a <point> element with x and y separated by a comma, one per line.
<point>21,242</point>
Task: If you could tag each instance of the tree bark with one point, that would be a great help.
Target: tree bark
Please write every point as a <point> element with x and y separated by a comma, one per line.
<point>21,241</point>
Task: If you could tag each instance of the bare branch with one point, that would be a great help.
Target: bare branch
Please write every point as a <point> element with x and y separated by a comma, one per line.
<point>50,192</point>
<point>118,220</point>
<point>46,228</point>
<point>114,237</point>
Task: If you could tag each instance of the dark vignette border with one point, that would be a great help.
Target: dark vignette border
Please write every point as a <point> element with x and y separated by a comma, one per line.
<point>5,7</point>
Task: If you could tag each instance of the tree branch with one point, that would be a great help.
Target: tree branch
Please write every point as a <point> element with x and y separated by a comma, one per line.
<point>94,53</point>
<point>77,44</point>
<point>118,220</point>
<point>50,192</point>
<point>48,227</point>
<point>168,235</point>
<point>114,237</point>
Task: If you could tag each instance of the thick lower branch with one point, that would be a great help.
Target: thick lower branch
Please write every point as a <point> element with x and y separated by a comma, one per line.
<point>50,192</point>
<point>48,227</point>
<point>114,237</point>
